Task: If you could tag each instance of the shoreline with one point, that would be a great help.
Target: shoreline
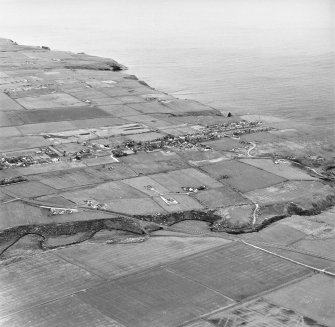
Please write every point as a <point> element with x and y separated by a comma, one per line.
<point>121,205</point>
<point>234,130</point>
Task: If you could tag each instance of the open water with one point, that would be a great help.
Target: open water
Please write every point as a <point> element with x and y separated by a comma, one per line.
<point>246,56</point>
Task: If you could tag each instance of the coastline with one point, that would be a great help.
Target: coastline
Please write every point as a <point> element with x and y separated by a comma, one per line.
<point>114,194</point>
<point>204,140</point>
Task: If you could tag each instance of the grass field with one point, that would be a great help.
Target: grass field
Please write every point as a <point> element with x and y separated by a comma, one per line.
<point>289,191</point>
<point>284,170</point>
<point>241,176</point>
<point>225,144</point>
<point>155,162</point>
<point>112,261</point>
<point>104,193</point>
<point>239,271</point>
<point>101,268</point>
<point>49,101</point>
<point>261,313</point>
<point>61,114</point>
<point>313,297</point>
<point>17,214</point>
<point>71,178</point>
<point>69,311</point>
<point>157,298</point>
<point>190,177</point>
<point>6,103</point>
<point>220,197</point>
<point>30,189</point>
<point>277,233</point>
<point>21,282</point>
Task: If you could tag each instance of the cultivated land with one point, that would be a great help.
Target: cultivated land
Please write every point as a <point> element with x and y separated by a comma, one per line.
<point>123,206</point>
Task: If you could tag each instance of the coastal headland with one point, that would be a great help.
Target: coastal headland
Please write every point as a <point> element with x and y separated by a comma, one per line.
<point>135,208</point>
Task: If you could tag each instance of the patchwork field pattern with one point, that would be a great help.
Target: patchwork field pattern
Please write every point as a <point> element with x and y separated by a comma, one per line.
<point>122,206</point>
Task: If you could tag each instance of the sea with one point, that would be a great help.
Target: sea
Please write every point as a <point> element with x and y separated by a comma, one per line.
<point>265,57</point>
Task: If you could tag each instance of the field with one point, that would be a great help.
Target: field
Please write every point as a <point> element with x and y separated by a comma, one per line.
<point>110,261</point>
<point>220,197</point>
<point>200,158</point>
<point>225,144</point>
<point>114,171</point>
<point>23,280</point>
<point>71,178</point>
<point>185,203</point>
<point>176,180</point>
<point>18,213</point>
<point>98,122</point>
<point>313,297</point>
<point>30,189</point>
<point>241,176</point>
<point>68,311</point>
<point>288,191</point>
<point>284,170</point>
<point>156,298</point>
<point>46,127</point>
<point>49,101</point>
<point>21,143</point>
<point>120,111</point>
<point>238,271</point>
<point>104,192</point>
<point>132,206</point>
<point>155,162</point>
<point>261,313</point>
<point>323,246</point>
<point>7,103</point>
<point>277,234</point>
<point>158,233</point>
<point>192,226</point>
<point>164,287</point>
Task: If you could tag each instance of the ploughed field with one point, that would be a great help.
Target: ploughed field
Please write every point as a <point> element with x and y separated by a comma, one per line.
<point>121,205</point>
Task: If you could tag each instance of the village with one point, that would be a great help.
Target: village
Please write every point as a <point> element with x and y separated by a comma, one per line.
<point>108,186</point>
